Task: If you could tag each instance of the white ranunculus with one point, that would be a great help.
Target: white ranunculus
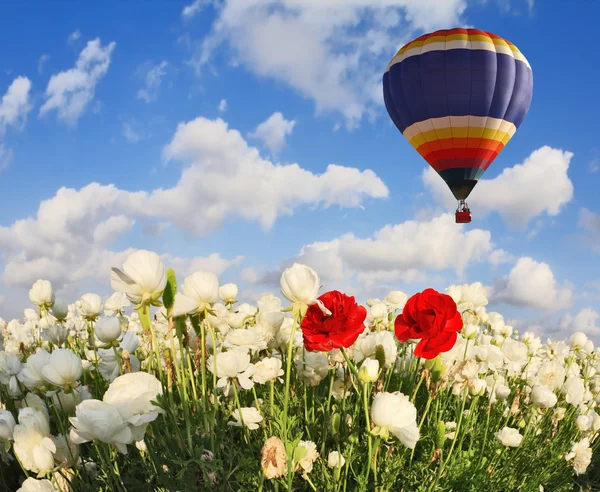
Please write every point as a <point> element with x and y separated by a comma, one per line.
<point>41,294</point>
<point>96,420</point>
<point>63,368</point>
<point>367,343</point>
<point>32,443</point>
<point>132,394</point>
<point>90,306</point>
<point>31,373</point>
<point>67,452</point>
<point>250,418</point>
<point>249,339</point>
<point>269,322</point>
<point>378,312</point>
<point>578,340</point>
<point>107,330</point>
<point>509,436</point>
<point>312,367</point>
<point>299,284</point>
<point>68,401</point>
<point>199,291</point>
<point>335,460</point>
<point>7,425</point>
<point>143,278</point>
<point>232,364</point>
<point>477,387</point>
<point>396,299</point>
<point>580,456</point>
<point>60,310</point>
<point>369,370</point>
<point>116,304</point>
<point>309,453</point>
<point>56,334</point>
<point>228,292</point>
<point>515,354</point>
<point>267,369</point>
<point>543,397</point>
<point>584,422</point>
<point>394,413</point>
<point>574,390</point>
<point>551,374</point>
<point>34,485</point>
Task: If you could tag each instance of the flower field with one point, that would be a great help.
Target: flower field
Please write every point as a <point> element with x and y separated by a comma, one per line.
<point>176,388</point>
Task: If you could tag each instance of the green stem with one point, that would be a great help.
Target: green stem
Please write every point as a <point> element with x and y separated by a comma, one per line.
<point>288,371</point>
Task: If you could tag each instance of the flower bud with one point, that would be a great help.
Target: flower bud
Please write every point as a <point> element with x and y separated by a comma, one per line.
<point>107,330</point>
<point>369,371</point>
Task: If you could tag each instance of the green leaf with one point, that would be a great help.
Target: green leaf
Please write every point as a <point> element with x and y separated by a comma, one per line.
<point>168,296</point>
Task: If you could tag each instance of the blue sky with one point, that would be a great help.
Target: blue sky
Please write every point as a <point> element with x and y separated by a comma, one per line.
<point>208,128</point>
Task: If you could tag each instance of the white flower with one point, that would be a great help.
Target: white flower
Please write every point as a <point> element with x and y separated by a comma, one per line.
<point>250,418</point>
<point>232,364</point>
<point>96,420</point>
<point>509,436</point>
<point>477,387</point>
<point>269,323</point>
<point>551,374</point>
<point>56,334</point>
<point>33,445</point>
<point>245,339</point>
<point>580,455</point>
<point>67,452</point>
<point>7,425</point>
<point>282,337</point>
<point>31,374</point>
<point>309,454</point>
<point>312,367</point>
<point>300,285</point>
<point>63,368</point>
<point>143,278</point>
<point>515,354</point>
<point>578,340</point>
<point>366,346</point>
<point>199,291</point>
<point>68,401</point>
<point>115,305</point>
<point>41,294</point>
<point>369,371</point>
<point>543,397</point>
<point>33,485</point>
<point>107,330</point>
<point>90,306</point>
<point>273,458</point>
<point>132,394</point>
<point>584,422</point>
<point>574,390</point>
<point>10,366</point>
<point>470,332</point>
<point>267,369</point>
<point>60,310</point>
<point>393,412</point>
<point>335,460</point>
<point>396,299</point>
<point>378,312</point>
<point>228,293</point>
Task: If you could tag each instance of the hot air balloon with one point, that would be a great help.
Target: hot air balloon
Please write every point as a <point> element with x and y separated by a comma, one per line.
<point>458,96</point>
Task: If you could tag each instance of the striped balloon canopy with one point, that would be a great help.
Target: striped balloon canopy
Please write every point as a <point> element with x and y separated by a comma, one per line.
<point>458,96</point>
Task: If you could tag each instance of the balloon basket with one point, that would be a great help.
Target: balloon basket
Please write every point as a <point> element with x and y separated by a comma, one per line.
<point>463,217</point>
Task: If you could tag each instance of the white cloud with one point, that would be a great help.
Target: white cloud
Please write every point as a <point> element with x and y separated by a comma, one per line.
<point>42,61</point>
<point>153,80</point>
<point>314,46</point>
<point>273,131</point>
<point>74,36</point>
<point>15,104</point>
<point>532,283</point>
<point>585,321</point>
<point>590,223</point>
<point>193,8</point>
<point>520,193</point>
<point>223,105</point>
<point>67,240</point>
<point>406,253</point>
<point>6,157</point>
<point>70,92</point>
<point>130,132</point>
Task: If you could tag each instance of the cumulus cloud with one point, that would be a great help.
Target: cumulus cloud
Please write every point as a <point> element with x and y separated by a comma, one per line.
<point>193,8</point>
<point>70,236</point>
<point>15,104</point>
<point>70,92</point>
<point>585,320</point>
<point>520,193</point>
<point>314,47</point>
<point>152,82</point>
<point>273,131</point>
<point>407,253</point>
<point>532,283</point>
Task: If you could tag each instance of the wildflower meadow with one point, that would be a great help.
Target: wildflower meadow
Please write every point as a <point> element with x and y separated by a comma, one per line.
<point>177,387</point>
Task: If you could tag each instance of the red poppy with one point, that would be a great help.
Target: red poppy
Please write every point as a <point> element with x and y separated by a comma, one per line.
<point>323,332</point>
<point>433,318</point>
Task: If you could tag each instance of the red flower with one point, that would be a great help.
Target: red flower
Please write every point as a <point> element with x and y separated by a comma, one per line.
<point>433,318</point>
<point>323,332</point>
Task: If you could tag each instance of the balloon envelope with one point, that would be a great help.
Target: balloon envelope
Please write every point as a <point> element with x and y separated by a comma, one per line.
<point>458,96</point>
